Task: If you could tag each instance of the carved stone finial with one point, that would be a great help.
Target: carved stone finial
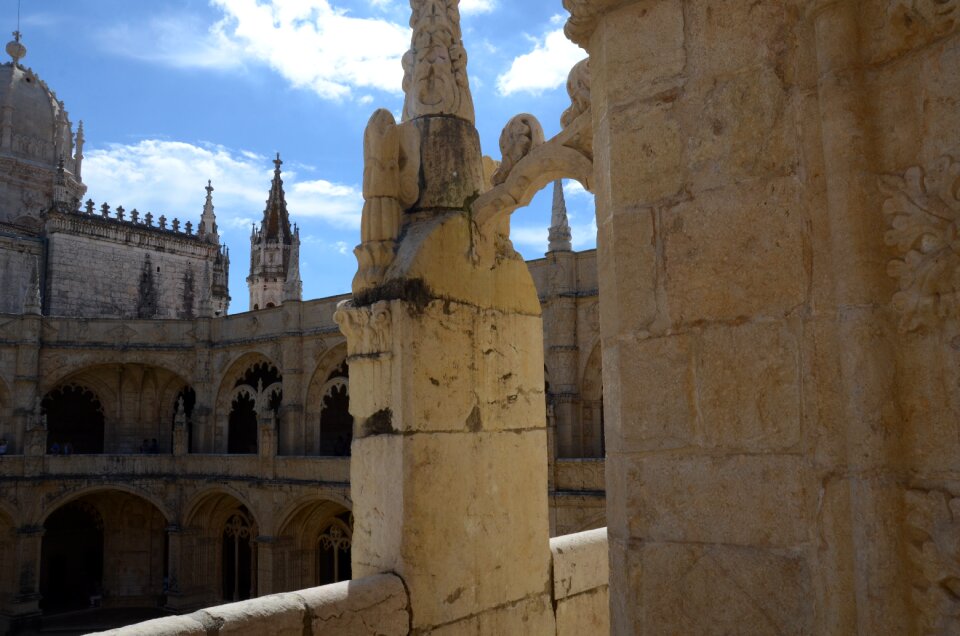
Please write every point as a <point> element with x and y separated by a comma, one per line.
<point>135,215</point>
<point>119,212</point>
<point>175,225</point>
<point>15,49</point>
<point>148,219</point>
<point>435,68</point>
<point>522,134</point>
<point>163,222</point>
<point>104,210</point>
<point>923,207</point>
<point>89,205</point>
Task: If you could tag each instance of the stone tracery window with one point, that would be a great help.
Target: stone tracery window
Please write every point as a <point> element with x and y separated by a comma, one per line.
<point>333,550</point>
<point>258,389</point>
<point>239,557</point>
<point>336,423</point>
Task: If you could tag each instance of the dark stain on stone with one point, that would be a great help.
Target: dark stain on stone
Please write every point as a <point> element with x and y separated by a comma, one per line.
<point>474,423</point>
<point>380,423</point>
<point>412,290</point>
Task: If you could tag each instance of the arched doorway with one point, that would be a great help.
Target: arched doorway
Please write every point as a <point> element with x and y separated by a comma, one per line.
<point>71,558</point>
<point>336,423</point>
<point>74,420</point>
<point>107,548</point>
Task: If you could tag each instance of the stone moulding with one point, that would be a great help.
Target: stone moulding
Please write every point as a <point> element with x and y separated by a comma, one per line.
<point>933,531</point>
<point>923,208</point>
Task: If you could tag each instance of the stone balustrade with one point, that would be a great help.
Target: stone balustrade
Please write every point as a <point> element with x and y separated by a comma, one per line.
<point>379,604</point>
<point>581,574</point>
<point>375,605</point>
<point>334,470</point>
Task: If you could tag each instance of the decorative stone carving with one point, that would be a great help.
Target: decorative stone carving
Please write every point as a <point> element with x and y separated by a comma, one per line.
<point>367,329</point>
<point>933,524</point>
<point>435,68</point>
<point>520,136</point>
<point>578,88</point>
<point>924,212</point>
<point>391,156</point>
<point>584,15</point>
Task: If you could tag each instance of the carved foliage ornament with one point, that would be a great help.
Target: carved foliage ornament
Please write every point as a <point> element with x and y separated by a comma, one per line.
<point>933,525</point>
<point>435,68</point>
<point>521,135</point>
<point>923,208</point>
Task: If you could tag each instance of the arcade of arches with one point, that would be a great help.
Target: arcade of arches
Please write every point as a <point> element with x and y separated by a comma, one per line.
<point>112,548</point>
<point>184,449</point>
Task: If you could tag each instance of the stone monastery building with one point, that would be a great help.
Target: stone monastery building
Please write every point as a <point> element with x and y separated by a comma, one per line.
<point>778,276</point>
<point>208,453</point>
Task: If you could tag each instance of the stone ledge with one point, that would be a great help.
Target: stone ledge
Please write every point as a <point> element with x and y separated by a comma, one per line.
<point>580,563</point>
<point>375,605</point>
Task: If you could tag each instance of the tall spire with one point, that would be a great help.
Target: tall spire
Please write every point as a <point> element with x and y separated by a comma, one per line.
<point>276,221</point>
<point>435,68</point>
<point>559,236</point>
<point>208,220</point>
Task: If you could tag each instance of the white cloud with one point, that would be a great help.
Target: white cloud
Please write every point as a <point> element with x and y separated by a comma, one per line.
<point>168,177</point>
<point>477,6</point>
<point>311,43</point>
<point>544,68</point>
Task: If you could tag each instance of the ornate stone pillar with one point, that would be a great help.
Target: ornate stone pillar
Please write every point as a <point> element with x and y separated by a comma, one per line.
<point>445,345</point>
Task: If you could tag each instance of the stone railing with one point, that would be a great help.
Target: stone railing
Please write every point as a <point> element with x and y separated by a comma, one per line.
<point>581,575</point>
<point>579,475</point>
<point>379,604</point>
<point>313,469</point>
<point>376,605</point>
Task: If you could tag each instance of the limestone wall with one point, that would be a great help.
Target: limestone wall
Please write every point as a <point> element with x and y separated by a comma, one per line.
<point>775,185</point>
<point>21,261</point>
<point>92,277</point>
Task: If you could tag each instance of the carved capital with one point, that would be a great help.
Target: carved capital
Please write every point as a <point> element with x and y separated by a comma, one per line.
<point>368,330</point>
<point>923,209</point>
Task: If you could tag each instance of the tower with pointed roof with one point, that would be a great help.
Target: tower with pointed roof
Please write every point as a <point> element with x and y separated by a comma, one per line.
<point>274,252</point>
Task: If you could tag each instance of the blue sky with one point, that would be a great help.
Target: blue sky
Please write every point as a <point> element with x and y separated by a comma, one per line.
<point>175,92</point>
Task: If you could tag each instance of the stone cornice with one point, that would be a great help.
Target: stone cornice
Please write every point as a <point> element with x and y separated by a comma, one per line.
<point>584,15</point>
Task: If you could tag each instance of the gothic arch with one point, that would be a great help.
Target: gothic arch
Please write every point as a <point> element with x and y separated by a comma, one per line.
<point>315,541</point>
<point>228,395</point>
<point>115,486</point>
<point>220,546</point>
<point>103,543</point>
<point>327,388</point>
<point>206,501</point>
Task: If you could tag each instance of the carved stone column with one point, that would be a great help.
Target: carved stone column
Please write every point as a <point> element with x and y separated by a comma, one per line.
<point>26,602</point>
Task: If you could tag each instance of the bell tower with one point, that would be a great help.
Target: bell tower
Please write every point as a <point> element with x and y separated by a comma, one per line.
<point>274,252</point>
